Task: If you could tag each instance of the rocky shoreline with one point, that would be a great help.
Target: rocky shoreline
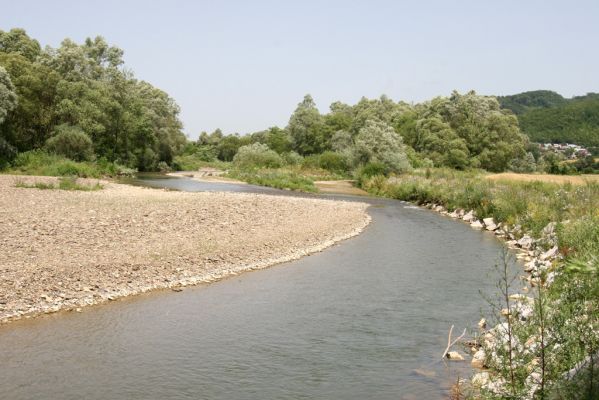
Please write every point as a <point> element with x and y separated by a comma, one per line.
<point>539,255</point>
<point>63,250</point>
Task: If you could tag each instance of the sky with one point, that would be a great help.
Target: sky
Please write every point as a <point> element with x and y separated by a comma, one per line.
<point>243,66</point>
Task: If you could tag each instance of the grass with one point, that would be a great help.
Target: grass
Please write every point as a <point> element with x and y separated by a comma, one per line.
<point>573,299</point>
<point>530,204</point>
<point>276,178</point>
<point>193,162</point>
<point>40,163</point>
<point>548,178</point>
<point>64,183</point>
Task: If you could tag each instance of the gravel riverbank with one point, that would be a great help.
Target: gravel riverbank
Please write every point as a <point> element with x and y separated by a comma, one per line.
<point>68,249</point>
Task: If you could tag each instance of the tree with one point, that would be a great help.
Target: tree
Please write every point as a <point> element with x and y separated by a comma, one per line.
<point>17,41</point>
<point>377,142</point>
<point>8,97</point>
<point>306,128</point>
<point>71,142</point>
<point>257,155</point>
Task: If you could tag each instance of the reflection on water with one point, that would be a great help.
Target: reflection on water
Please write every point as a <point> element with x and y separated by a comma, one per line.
<point>352,322</point>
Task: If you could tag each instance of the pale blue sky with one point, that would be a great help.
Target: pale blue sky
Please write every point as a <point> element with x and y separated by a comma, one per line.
<point>244,65</point>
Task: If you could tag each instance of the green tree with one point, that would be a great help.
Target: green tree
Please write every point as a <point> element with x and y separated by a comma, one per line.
<point>8,97</point>
<point>306,128</point>
<point>71,142</point>
<point>377,142</point>
<point>257,155</point>
<point>17,41</point>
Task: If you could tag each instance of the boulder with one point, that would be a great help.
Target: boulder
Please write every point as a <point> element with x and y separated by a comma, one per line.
<point>476,224</point>
<point>530,266</point>
<point>549,254</point>
<point>481,379</point>
<point>482,324</point>
<point>478,359</point>
<point>454,356</point>
<point>525,242</point>
<point>469,216</point>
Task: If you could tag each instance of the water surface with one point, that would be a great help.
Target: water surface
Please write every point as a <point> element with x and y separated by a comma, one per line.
<point>351,322</point>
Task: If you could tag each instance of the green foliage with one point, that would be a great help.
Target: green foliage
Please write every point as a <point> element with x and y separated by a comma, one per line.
<point>64,183</point>
<point>228,146</point>
<point>523,102</point>
<point>523,164</point>
<point>38,162</point>
<point>71,142</point>
<point>8,97</point>
<point>334,162</point>
<point>292,158</point>
<point>85,85</point>
<point>280,179</point>
<point>257,155</point>
<point>377,142</point>
<point>546,116</point>
<point>307,129</point>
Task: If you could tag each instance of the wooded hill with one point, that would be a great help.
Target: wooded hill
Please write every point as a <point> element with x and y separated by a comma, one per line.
<point>546,116</point>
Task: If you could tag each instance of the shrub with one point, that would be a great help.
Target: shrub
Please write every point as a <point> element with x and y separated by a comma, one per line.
<point>332,161</point>
<point>279,179</point>
<point>292,158</point>
<point>71,142</point>
<point>378,142</point>
<point>257,155</point>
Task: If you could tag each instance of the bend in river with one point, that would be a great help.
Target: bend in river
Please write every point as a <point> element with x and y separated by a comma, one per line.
<point>352,322</point>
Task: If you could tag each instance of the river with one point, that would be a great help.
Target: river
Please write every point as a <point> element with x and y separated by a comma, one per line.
<point>365,319</point>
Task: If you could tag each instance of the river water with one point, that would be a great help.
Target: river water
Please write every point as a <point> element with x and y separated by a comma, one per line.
<point>365,319</point>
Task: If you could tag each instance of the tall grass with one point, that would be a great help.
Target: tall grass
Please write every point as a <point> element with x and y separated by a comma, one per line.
<point>63,183</point>
<point>565,327</point>
<point>38,162</point>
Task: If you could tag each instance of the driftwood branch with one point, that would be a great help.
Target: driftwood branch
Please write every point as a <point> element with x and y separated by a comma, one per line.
<point>450,342</point>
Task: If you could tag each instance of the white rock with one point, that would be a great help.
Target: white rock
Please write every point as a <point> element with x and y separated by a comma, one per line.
<point>482,324</point>
<point>480,379</point>
<point>549,254</point>
<point>478,359</point>
<point>454,355</point>
<point>469,216</point>
<point>530,266</point>
<point>489,221</point>
<point>476,224</point>
<point>525,242</point>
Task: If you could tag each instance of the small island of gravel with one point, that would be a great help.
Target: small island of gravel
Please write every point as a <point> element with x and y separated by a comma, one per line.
<point>67,249</point>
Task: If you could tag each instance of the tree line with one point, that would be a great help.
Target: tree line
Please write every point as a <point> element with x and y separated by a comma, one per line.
<point>80,101</point>
<point>460,131</point>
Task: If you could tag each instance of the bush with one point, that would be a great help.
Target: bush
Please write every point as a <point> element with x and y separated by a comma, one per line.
<point>374,168</point>
<point>292,158</point>
<point>332,161</point>
<point>39,162</point>
<point>257,155</point>
<point>71,142</point>
<point>279,179</point>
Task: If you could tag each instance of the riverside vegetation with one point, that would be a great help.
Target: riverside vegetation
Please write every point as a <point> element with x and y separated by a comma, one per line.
<point>76,111</point>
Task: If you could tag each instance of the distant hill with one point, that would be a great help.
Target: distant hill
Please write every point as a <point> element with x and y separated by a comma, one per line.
<point>546,116</point>
<point>522,102</point>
